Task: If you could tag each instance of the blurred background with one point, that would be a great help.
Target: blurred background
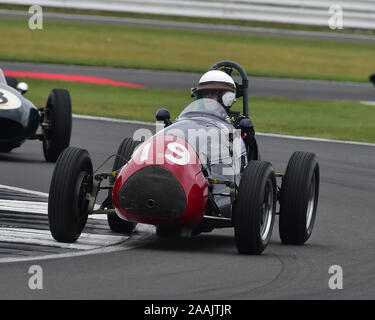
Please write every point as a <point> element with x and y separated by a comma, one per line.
<point>311,66</point>
<point>309,62</point>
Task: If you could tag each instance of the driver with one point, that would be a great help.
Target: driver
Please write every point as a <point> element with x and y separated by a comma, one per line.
<point>217,85</point>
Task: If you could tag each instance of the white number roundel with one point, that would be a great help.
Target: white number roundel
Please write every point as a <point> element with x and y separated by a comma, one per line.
<point>9,100</point>
<point>183,156</point>
<point>181,151</point>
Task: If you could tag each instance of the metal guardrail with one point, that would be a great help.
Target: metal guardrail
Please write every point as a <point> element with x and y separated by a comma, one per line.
<point>350,5</point>
<point>356,14</point>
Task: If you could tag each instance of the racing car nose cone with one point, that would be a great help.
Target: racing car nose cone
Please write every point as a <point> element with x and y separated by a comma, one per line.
<point>153,192</point>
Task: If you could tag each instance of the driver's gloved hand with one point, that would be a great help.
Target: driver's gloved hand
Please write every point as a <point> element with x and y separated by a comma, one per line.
<point>238,119</point>
<point>248,136</point>
<point>243,122</point>
<point>247,127</point>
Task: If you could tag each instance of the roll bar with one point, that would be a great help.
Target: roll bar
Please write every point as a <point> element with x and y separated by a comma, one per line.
<point>244,85</point>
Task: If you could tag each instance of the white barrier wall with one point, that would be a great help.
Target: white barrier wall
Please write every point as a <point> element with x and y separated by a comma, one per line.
<point>356,14</point>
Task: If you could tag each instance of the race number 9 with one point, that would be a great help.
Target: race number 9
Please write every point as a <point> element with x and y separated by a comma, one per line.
<point>182,158</point>
<point>181,151</point>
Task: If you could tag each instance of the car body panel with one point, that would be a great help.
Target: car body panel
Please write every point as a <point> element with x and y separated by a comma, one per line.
<point>19,118</point>
<point>184,150</point>
<point>188,176</point>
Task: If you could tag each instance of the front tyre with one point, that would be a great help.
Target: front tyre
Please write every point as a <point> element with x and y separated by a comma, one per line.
<point>58,116</point>
<point>299,198</point>
<point>67,204</point>
<point>124,153</point>
<point>5,149</point>
<point>254,211</point>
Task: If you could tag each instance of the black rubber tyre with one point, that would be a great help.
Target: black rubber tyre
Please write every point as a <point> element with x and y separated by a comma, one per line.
<point>254,211</point>
<point>67,205</point>
<point>6,149</point>
<point>59,114</point>
<point>299,198</point>
<point>124,153</point>
<point>12,82</point>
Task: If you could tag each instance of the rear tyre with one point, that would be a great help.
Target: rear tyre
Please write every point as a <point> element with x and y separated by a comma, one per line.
<point>67,204</point>
<point>12,82</point>
<point>58,114</point>
<point>254,211</point>
<point>124,153</point>
<point>299,198</point>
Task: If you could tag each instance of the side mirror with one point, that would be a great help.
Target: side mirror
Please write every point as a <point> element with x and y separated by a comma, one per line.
<point>246,125</point>
<point>164,115</point>
<point>22,87</point>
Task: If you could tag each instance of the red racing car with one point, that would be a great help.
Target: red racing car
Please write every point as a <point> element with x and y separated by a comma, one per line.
<point>200,172</point>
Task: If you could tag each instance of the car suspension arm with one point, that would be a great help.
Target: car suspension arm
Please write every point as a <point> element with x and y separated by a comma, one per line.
<point>91,197</point>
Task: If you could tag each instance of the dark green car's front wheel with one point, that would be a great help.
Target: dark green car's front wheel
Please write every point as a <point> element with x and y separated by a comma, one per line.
<point>58,116</point>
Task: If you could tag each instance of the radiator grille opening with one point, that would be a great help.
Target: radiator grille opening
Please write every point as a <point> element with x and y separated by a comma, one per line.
<point>153,192</point>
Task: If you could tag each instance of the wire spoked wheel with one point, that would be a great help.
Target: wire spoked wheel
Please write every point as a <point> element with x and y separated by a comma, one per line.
<point>267,210</point>
<point>311,203</point>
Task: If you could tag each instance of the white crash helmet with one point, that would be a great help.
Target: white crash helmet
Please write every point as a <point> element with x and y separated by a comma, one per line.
<point>216,80</point>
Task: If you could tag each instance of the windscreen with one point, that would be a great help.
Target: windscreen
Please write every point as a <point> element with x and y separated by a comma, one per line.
<point>2,77</point>
<point>204,106</point>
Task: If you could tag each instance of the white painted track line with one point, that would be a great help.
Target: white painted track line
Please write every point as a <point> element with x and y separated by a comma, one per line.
<point>369,103</point>
<point>43,237</point>
<point>142,234</point>
<point>27,191</point>
<point>24,206</point>
<point>274,135</point>
<point>34,207</point>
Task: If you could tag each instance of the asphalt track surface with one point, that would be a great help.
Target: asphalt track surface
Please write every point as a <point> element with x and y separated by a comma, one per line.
<point>258,86</point>
<point>208,266</point>
<point>329,35</point>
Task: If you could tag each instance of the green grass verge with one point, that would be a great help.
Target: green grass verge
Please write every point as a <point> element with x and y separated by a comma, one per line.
<point>332,120</point>
<point>118,46</point>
